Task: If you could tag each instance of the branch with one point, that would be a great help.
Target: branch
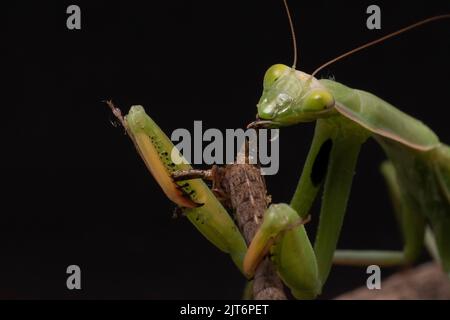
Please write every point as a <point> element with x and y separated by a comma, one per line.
<point>425,282</point>
<point>246,191</point>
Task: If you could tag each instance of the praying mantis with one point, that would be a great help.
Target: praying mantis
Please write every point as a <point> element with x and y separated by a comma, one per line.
<point>417,173</point>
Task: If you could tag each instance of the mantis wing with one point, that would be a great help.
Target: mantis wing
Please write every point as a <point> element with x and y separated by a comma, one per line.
<point>380,117</point>
<point>193,196</point>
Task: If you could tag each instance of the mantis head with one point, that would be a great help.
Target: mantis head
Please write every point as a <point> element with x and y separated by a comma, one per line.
<point>291,96</point>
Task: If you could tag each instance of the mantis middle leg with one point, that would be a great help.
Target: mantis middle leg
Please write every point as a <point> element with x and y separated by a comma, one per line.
<point>412,225</point>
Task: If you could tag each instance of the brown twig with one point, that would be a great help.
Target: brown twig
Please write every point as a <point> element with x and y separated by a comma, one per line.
<point>247,193</point>
<point>116,112</point>
<point>192,174</point>
<point>241,187</point>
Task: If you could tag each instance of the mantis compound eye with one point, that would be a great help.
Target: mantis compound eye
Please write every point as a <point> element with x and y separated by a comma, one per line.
<point>274,73</point>
<point>317,100</point>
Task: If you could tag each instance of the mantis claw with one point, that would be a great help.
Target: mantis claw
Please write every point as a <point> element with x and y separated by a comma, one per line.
<point>192,196</point>
<point>278,219</point>
<point>261,124</point>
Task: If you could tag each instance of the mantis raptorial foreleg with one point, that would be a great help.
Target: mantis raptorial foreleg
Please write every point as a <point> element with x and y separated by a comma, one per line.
<point>193,197</point>
<point>305,270</point>
<point>283,234</point>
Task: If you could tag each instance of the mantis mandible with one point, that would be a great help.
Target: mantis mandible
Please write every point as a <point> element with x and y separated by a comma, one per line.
<point>417,173</point>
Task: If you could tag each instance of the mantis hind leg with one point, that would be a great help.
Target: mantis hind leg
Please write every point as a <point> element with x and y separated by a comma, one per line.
<point>412,225</point>
<point>440,220</point>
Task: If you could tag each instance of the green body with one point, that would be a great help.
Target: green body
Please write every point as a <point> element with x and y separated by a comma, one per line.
<point>421,162</point>
<point>417,173</point>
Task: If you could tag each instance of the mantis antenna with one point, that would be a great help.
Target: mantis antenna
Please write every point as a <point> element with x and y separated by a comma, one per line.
<point>294,41</point>
<point>390,35</point>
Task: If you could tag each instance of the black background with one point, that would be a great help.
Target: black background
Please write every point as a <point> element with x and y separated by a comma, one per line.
<point>76,192</point>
